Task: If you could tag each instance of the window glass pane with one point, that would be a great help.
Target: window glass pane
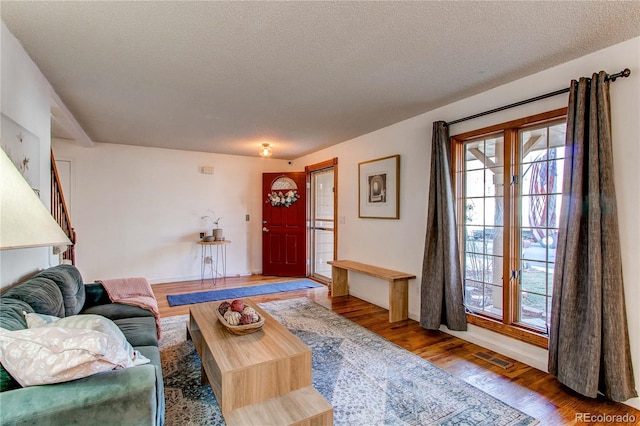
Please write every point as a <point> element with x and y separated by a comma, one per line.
<point>475,211</point>
<point>548,239</point>
<point>472,151</point>
<point>494,182</point>
<point>323,194</point>
<point>526,238</point>
<point>473,294</point>
<point>486,237</point>
<point>533,277</point>
<point>537,213</point>
<point>533,310</point>
<point>323,251</point>
<point>494,151</point>
<point>283,183</point>
<point>493,270</point>
<point>532,143</point>
<point>557,136</point>
<point>525,206</point>
<point>493,300</point>
<point>494,211</point>
<point>555,202</point>
<point>474,266</point>
<point>474,183</point>
<point>474,234</point>
<point>555,173</point>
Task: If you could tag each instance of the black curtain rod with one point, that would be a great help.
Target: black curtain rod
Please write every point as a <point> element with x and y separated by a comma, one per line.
<point>612,77</point>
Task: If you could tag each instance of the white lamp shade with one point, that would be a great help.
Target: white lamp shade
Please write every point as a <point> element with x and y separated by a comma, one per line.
<point>24,220</point>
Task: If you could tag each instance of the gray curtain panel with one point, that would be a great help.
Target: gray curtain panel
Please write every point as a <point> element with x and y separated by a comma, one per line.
<point>589,342</point>
<point>441,290</point>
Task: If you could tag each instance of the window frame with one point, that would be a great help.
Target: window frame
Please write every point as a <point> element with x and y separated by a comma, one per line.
<point>511,235</point>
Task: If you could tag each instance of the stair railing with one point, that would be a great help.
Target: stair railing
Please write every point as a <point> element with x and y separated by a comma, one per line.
<point>60,212</point>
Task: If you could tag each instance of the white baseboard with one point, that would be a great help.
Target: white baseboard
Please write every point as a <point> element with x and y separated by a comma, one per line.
<point>153,281</point>
<point>528,354</point>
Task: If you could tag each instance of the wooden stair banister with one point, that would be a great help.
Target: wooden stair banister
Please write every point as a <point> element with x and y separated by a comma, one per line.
<point>60,212</point>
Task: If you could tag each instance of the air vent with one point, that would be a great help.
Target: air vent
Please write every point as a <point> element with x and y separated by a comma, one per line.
<point>494,360</point>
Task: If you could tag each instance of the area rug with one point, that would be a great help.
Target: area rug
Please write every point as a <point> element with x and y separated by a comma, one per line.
<point>236,293</point>
<point>367,379</point>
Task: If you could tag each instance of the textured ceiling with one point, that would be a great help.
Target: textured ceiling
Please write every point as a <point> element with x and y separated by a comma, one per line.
<point>226,76</point>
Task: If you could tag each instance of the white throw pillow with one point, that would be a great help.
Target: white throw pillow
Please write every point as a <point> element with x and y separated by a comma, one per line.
<point>38,320</point>
<point>46,355</point>
<point>91,322</point>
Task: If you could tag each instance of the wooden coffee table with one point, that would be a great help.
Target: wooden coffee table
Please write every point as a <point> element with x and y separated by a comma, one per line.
<point>259,378</point>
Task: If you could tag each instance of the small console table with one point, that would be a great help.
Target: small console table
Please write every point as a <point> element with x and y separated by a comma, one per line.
<point>221,252</point>
<point>398,284</point>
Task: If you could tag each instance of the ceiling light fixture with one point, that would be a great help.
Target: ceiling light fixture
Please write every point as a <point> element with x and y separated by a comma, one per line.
<point>265,150</point>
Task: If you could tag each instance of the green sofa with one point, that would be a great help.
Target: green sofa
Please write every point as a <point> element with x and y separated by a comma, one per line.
<point>133,396</point>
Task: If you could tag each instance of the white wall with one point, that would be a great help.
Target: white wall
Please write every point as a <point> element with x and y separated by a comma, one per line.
<point>25,99</point>
<point>137,211</point>
<point>399,244</point>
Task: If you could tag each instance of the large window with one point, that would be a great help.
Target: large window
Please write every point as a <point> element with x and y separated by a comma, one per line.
<point>508,181</point>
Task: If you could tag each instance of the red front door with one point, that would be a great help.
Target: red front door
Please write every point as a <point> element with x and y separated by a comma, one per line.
<point>284,232</point>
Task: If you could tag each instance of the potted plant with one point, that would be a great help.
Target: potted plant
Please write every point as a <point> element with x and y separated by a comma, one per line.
<point>217,231</point>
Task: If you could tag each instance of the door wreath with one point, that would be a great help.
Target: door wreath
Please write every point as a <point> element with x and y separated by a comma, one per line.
<point>278,198</point>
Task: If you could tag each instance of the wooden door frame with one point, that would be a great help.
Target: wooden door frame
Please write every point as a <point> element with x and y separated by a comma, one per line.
<point>332,163</point>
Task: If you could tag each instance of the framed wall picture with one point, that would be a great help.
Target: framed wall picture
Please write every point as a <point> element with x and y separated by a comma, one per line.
<point>379,188</point>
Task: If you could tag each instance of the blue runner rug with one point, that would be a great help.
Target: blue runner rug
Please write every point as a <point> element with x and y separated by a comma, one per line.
<point>237,293</point>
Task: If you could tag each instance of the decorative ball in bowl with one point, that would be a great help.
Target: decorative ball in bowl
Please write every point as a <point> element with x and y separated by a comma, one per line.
<point>239,318</point>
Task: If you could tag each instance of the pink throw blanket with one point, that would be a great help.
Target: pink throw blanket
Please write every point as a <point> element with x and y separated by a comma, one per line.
<point>133,291</point>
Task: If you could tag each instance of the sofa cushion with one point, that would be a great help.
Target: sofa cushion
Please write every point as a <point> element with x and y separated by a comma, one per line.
<point>139,331</point>
<point>116,311</point>
<point>11,318</point>
<point>119,397</point>
<point>7,382</point>
<point>11,313</point>
<point>42,294</point>
<point>46,355</point>
<point>69,281</point>
<point>95,295</point>
<point>153,353</point>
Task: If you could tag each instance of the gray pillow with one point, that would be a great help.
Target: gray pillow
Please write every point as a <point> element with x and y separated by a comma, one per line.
<point>69,281</point>
<point>42,294</point>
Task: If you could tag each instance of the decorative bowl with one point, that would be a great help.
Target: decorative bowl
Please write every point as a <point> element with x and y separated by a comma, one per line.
<point>240,329</point>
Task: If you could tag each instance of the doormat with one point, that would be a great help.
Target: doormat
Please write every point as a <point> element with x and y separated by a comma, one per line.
<point>494,360</point>
<point>237,293</point>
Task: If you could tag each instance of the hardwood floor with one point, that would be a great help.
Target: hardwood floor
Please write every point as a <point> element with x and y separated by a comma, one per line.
<point>530,390</point>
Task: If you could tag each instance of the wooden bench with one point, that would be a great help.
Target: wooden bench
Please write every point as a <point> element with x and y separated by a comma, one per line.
<point>398,284</point>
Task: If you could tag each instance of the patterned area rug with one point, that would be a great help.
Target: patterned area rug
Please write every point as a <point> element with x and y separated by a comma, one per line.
<point>366,378</point>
